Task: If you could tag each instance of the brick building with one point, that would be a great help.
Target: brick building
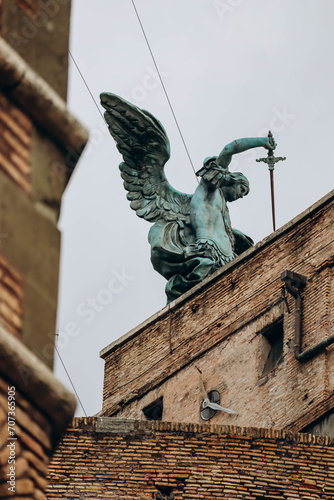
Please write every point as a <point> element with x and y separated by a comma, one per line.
<point>37,136</point>
<point>238,336</point>
<point>257,336</point>
<point>236,333</point>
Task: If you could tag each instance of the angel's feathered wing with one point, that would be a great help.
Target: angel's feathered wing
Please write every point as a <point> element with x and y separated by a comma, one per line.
<point>144,145</point>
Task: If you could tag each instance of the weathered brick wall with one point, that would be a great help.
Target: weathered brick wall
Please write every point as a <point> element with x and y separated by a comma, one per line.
<point>15,143</point>
<point>122,460</point>
<point>11,297</point>
<point>34,411</point>
<point>218,329</point>
<point>30,454</point>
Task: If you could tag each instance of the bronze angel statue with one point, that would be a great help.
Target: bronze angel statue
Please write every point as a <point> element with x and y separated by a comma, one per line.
<point>191,236</point>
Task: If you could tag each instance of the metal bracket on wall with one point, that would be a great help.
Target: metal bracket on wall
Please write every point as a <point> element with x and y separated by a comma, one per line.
<point>294,284</point>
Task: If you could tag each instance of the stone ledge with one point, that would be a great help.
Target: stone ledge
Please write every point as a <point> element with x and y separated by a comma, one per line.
<point>33,379</point>
<point>38,99</point>
<point>123,425</point>
<point>114,425</point>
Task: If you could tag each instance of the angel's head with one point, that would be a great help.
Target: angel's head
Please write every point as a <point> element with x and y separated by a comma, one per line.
<point>236,186</point>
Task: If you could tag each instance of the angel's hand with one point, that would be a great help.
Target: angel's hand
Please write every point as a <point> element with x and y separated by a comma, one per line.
<point>270,143</point>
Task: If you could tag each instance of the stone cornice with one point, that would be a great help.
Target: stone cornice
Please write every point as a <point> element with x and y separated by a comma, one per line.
<point>33,379</point>
<point>38,99</point>
<point>111,425</point>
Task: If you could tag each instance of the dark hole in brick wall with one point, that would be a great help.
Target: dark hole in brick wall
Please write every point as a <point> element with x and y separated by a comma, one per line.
<point>274,336</point>
<point>181,482</point>
<point>164,493</point>
<point>154,410</point>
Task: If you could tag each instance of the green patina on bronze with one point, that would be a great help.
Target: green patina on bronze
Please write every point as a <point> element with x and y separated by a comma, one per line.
<point>191,236</point>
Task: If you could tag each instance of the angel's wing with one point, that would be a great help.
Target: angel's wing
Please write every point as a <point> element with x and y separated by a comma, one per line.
<point>144,145</point>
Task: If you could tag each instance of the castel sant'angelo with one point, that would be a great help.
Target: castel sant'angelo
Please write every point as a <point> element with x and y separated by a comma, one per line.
<point>266,352</point>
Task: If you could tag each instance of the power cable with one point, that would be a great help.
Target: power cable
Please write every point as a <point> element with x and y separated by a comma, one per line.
<point>98,108</point>
<point>86,84</point>
<point>77,395</point>
<point>161,81</point>
<point>164,88</point>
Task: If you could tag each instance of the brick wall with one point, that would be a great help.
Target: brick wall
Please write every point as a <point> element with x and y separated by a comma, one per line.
<point>11,297</point>
<point>115,459</point>
<point>218,329</point>
<point>15,139</point>
<point>30,454</point>
<point>34,412</point>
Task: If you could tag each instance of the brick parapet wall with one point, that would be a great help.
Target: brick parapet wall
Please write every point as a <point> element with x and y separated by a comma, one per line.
<point>118,459</point>
<point>217,328</point>
<point>15,144</point>
<point>11,297</point>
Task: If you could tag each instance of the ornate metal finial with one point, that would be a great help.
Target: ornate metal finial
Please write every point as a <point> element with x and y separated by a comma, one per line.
<point>271,160</point>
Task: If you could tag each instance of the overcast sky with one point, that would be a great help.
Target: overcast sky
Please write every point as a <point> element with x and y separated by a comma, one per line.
<point>232,69</point>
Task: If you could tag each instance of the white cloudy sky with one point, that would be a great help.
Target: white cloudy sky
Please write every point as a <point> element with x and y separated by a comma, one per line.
<point>232,69</point>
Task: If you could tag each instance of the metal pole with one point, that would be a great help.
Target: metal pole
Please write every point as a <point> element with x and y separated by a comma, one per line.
<point>272,198</point>
<point>270,161</point>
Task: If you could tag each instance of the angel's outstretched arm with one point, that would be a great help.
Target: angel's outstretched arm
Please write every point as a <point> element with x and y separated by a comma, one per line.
<point>240,145</point>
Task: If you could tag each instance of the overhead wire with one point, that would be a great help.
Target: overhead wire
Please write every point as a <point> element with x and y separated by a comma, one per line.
<point>161,81</point>
<point>189,157</point>
<point>99,110</point>
<point>86,84</point>
<point>163,86</point>
<point>69,377</point>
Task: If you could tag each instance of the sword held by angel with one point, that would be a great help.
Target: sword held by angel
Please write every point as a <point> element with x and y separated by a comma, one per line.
<point>191,236</point>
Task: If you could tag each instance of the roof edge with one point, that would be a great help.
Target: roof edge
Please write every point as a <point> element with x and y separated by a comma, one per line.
<point>110,425</point>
